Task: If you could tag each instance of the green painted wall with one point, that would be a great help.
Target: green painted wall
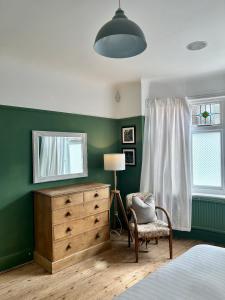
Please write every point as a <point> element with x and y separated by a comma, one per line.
<point>16,202</point>
<point>129,180</point>
<point>16,199</point>
<point>104,136</point>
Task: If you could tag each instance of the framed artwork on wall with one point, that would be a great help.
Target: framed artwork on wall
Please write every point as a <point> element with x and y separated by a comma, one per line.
<point>130,156</point>
<point>128,135</point>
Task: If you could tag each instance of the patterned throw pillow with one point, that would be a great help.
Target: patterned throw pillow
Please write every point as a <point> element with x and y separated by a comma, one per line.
<point>145,210</point>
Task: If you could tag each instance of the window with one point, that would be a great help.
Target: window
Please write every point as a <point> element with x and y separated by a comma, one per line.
<point>207,147</point>
<point>206,114</point>
<point>206,155</point>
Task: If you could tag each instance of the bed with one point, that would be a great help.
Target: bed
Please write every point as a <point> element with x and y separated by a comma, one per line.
<point>198,274</point>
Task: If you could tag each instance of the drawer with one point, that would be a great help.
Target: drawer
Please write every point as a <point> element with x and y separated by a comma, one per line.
<point>96,194</point>
<point>67,200</point>
<point>83,241</point>
<point>79,211</point>
<point>76,227</point>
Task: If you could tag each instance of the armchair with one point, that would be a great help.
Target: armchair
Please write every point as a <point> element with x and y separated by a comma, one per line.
<point>143,233</point>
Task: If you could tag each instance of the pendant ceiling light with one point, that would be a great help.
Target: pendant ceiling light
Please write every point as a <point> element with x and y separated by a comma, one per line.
<point>120,37</point>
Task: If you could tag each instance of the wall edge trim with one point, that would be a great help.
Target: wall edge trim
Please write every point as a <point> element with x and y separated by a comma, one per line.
<point>208,199</point>
<point>28,109</point>
<point>15,259</point>
<point>208,229</point>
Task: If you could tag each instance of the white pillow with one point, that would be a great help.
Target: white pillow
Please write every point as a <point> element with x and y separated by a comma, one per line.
<point>144,209</point>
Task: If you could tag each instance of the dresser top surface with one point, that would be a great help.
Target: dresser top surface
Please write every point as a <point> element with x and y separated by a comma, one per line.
<point>69,189</point>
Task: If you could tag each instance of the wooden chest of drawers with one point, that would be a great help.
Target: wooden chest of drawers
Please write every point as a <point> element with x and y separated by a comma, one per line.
<point>71,224</point>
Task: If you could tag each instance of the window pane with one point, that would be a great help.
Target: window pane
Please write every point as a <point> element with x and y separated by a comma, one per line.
<point>206,114</point>
<point>206,156</point>
<point>215,108</point>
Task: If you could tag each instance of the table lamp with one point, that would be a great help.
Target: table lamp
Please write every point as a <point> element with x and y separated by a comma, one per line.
<point>116,162</point>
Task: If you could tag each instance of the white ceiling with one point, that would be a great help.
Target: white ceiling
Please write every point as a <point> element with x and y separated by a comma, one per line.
<point>60,34</point>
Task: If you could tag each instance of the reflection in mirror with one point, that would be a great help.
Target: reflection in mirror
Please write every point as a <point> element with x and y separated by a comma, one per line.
<point>59,155</point>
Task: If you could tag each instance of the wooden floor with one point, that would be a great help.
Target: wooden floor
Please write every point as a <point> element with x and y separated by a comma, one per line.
<point>101,277</point>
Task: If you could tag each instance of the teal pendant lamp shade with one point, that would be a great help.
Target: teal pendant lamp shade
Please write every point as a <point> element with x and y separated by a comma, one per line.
<point>120,38</point>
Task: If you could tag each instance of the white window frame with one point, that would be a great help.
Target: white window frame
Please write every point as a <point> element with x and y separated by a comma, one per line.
<point>214,128</point>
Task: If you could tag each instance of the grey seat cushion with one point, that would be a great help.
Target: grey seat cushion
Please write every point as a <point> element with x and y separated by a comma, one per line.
<point>144,209</point>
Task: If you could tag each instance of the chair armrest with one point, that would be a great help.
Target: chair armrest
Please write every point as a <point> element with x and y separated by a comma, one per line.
<point>167,216</point>
<point>135,219</point>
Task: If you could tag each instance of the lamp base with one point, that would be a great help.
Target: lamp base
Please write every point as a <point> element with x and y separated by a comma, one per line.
<point>115,195</point>
<point>115,180</point>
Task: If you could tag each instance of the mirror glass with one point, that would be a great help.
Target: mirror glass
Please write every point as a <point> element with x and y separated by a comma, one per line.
<point>59,155</point>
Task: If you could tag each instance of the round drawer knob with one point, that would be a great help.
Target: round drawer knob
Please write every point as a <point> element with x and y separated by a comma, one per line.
<point>68,247</point>
<point>97,236</point>
<point>68,214</point>
<point>96,206</point>
<point>68,229</point>
<point>97,220</point>
<point>96,195</point>
<point>67,201</point>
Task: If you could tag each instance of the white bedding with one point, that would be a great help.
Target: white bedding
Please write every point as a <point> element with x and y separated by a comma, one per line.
<point>198,274</point>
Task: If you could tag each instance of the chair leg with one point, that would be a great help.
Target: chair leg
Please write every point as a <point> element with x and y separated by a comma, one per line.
<point>171,245</point>
<point>136,247</point>
<point>129,238</point>
<point>156,241</point>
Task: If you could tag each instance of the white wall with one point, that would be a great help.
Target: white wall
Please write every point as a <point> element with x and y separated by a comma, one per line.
<point>130,100</point>
<point>204,85</point>
<point>32,86</point>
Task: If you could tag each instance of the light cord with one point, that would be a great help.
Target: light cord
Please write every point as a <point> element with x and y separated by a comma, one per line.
<point>117,232</point>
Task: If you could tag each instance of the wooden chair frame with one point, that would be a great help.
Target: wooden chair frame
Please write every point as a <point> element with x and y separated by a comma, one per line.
<point>140,240</point>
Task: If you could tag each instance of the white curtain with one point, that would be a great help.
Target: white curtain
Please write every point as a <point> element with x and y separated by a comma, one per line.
<point>166,164</point>
<point>54,156</point>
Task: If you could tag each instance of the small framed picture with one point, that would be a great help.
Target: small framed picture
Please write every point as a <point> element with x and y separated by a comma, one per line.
<point>130,156</point>
<point>128,135</point>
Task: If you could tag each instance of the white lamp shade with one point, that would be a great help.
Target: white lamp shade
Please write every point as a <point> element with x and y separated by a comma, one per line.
<point>114,162</point>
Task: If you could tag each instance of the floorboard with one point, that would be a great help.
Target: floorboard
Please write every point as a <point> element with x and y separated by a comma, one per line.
<point>101,277</point>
